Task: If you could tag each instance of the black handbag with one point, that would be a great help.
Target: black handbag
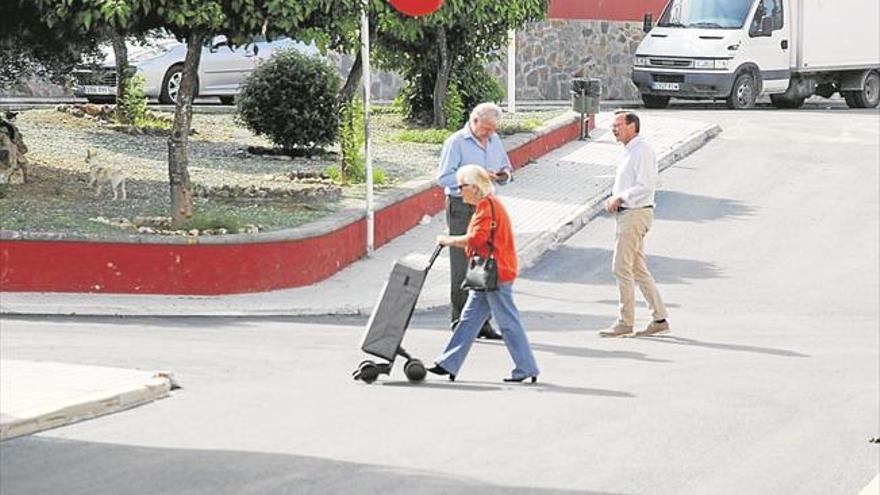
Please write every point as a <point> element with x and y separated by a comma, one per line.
<point>482,273</point>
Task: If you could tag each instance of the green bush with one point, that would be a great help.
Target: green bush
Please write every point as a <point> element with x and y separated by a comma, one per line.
<point>292,99</point>
<point>351,139</point>
<point>476,85</point>
<point>133,107</point>
<point>352,163</point>
<point>453,108</point>
<point>428,136</point>
<point>470,84</point>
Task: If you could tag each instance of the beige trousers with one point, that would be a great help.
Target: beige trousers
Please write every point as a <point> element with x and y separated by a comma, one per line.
<point>630,267</point>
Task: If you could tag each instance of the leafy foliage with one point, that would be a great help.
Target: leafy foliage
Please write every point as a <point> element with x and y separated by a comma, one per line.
<point>475,32</point>
<point>30,48</point>
<point>291,99</point>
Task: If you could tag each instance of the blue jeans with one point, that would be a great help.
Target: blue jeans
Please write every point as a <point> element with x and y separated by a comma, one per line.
<point>476,309</point>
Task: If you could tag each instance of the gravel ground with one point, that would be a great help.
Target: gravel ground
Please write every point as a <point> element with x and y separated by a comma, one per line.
<point>57,198</point>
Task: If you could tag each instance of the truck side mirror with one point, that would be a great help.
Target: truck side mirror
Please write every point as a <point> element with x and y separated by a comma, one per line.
<point>648,23</point>
<point>767,25</point>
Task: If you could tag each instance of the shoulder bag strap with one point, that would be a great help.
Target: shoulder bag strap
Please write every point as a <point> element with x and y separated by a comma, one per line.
<point>492,230</point>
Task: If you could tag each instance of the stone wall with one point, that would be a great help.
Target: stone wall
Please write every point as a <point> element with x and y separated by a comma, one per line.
<point>549,54</point>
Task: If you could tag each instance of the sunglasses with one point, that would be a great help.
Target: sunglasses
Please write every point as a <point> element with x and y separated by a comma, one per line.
<point>460,186</point>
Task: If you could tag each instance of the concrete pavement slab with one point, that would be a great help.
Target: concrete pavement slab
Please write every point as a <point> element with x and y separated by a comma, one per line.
<point>548,201</point>
<point>36,396</point>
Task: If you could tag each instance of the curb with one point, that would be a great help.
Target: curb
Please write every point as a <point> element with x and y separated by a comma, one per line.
<point>530,253</point>
<point>94,405</point>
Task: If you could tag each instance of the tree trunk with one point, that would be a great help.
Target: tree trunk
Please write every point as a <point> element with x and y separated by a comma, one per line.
<point>178,154</point>
<point>120,51</point>
<point>442,81</point>
<point>346,94</point>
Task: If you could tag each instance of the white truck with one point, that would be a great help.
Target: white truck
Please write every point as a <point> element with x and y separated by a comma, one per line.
<point>738,50</point>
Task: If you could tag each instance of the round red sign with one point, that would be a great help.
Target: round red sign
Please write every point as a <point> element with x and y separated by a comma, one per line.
<point>416,7</point>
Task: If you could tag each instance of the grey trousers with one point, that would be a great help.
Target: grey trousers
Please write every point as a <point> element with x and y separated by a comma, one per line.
<point>458,216</point>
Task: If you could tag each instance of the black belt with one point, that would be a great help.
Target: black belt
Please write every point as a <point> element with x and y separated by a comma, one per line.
<point>623,208</point>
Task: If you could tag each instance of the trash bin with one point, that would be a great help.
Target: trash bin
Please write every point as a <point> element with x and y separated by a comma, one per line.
<point>585,96</point>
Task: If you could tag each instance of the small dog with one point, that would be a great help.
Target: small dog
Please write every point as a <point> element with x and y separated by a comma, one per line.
<point>99,175</point>
<point>12,150</point>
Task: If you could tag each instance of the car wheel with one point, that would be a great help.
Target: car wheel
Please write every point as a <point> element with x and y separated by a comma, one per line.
<point>655,101</point>
<point>171,85</point>
<point>743,93</point>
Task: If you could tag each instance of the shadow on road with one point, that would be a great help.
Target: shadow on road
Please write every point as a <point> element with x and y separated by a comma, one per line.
<point>556,266</point>
<point>684,207</point>
<point>667,339</point>
<point>477,386</point>
<point>96,468</point>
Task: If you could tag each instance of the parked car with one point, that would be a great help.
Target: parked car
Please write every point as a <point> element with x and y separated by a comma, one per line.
<point>222,70</point>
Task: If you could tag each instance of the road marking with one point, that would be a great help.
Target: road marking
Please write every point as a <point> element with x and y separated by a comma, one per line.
<point>873,487</point>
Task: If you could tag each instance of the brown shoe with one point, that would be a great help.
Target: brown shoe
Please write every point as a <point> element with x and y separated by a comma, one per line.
<point>617,331</point>
<point>654,328</point>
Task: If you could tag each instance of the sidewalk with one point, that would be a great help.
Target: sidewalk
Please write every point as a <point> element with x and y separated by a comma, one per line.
<point>549,201</point>
<point>36,396</point>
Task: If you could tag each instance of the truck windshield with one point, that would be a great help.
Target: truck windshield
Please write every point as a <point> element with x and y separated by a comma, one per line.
<point>714,14</point>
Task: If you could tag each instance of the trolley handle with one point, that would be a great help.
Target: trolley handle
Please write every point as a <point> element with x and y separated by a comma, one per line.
<point>434,256</point>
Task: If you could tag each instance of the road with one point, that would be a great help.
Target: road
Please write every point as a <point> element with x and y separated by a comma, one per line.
<point>765,248</point>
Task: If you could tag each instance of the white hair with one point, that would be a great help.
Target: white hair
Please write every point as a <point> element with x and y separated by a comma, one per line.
<point>487,112</point>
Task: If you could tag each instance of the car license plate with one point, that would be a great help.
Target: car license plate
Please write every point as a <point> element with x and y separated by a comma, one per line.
<point>98,90</point>
<point>666,86</point>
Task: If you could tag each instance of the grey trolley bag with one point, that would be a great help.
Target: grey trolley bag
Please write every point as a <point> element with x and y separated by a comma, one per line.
<point>390,319</point>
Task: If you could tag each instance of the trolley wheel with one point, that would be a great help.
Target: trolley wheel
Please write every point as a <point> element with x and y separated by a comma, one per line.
<point>367,372</point>
<point>415,370</point>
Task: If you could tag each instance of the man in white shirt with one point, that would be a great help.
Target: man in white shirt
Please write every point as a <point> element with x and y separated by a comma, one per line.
<point>632,204</point>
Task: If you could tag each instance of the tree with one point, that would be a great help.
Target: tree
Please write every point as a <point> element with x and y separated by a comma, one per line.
<point>194,22</point>
<point>30,48</point>
<point>461,35</point>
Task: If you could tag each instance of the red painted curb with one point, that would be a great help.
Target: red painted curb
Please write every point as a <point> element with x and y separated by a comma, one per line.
<point>212,269</point>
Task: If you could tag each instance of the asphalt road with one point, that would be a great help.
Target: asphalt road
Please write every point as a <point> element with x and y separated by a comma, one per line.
<point>766,251</point>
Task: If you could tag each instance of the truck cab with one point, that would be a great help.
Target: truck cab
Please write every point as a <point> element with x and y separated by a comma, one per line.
<point>737,50</point>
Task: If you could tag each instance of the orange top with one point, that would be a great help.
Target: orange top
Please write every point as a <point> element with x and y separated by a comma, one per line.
<point>478,237</point>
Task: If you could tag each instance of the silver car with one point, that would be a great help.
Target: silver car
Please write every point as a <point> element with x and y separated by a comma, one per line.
<point>222,70</point>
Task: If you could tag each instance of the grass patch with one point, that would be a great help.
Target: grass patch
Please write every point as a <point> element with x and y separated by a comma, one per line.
<point>526,125</point>
<point>425,136</point>
<point>214,220</point>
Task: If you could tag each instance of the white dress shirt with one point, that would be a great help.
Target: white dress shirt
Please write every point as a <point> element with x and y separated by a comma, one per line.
<point>636,177</point>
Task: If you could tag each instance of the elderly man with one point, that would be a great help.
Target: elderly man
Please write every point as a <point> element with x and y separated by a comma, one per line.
<point>632,204</point>
<point>478,144</point>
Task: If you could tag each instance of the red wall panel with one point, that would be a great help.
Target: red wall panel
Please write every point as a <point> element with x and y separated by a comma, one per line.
<point>606,10</point>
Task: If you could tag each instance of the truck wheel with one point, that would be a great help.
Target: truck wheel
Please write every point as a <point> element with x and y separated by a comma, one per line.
<point>868,97</point>
<point>655,101</point>
<point>780,101</point>
<point>743,93</point>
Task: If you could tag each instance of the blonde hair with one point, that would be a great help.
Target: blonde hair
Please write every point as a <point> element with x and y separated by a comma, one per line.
<point>477,176</point>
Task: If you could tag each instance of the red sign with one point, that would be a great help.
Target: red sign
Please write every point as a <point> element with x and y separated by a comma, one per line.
<point>416,7</point>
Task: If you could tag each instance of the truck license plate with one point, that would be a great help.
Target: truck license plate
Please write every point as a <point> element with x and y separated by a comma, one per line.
<point>666,86</point>
<point>98,90</point>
